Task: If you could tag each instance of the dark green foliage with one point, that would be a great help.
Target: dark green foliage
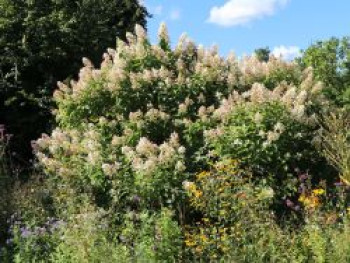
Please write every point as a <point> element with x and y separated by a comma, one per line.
<point>5,186</point>
<point>330,60</point>
<point>43,41</point>
<point>263,54</point>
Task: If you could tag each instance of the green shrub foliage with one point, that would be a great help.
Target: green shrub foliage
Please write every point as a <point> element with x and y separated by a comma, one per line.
<point>172,149</point>
<point>139,124</point>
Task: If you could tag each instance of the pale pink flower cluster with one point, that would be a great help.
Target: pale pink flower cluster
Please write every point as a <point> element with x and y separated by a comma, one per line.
<point>208,64</point>
<point>183,107</point>
<point>147,157</point>
<point>111,169</point>
<point>253,70</point>
<point>296,99</point>
<point>55,152</point>
<point>152,115</point>
<point>156,114</point>
<point>163,33</point>
<point>204,113</point>
<point>213,134</point>
<point>275,134</point>
<point>47,149</point>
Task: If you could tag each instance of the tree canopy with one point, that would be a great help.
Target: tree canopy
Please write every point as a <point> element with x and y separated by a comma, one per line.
<point>330,60</point>
<point>263,54</point>
<point>43,41</point>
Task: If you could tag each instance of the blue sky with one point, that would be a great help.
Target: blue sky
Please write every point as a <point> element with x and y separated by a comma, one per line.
<point>243,25</point>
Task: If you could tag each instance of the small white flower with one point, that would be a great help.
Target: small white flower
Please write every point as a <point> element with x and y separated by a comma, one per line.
<point>187,184</point>
<point>266,144</point>
<point>145,147</point>
<point>258,118</point>
<point>180,166</point>
<point>181,150</point>
<point>107,169</point>
<point>279,127</point>
<point>262,133</point>
<point>272,136</point>
<point>237,142</point>
<point>116,140</point>
<point>128,152</point>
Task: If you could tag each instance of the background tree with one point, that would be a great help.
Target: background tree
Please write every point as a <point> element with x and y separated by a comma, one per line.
<point>330,60</point>
<point>263,54</point>
<point>43,41</point>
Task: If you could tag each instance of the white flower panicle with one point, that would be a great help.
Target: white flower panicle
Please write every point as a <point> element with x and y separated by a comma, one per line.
<point>146,148</point>
<point>87,63</point>
<point>163,33</point>
<point>147,156</point>
<point>140,33</point>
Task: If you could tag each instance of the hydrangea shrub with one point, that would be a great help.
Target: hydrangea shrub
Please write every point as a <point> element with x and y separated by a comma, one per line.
<point>131,132</point>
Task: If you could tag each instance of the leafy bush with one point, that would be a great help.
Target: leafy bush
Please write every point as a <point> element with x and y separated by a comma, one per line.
<point>335,137</point>
<point>140,119</point>
<point>270,140</point>
<point>134,134</point>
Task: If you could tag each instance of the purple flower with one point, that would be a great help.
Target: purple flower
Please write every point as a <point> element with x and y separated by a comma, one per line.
<point>339,184</point>
<point>303,177</point>
<point>289,203</point>
<point>25,232</point>
<point>56,224</point>
<point>302,188</point>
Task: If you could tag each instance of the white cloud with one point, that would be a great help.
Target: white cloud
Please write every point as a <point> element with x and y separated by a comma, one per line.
<point>287,53</point>
<point>240,12</point>
<point>175,14</point>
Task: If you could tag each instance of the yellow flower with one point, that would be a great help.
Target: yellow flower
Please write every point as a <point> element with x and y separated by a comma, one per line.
<point>202,175</point>
<point>309,201</point>
<point>302,198</point>
<point>221,189</point>
<point>197,193</point>
<point>319,191</point>
<point>222,230</point>
<point>190,243</point>
<point>204,238</point>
